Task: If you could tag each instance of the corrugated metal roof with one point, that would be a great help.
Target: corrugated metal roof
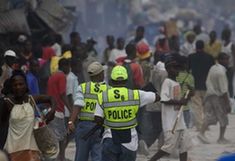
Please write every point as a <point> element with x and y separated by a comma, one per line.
<point>14,21</point>
<point>51,12</point>
<point>57,17</point>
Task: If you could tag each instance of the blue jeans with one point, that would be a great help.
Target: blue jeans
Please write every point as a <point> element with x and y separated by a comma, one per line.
<point>90,146</point>
<point>116,152</point>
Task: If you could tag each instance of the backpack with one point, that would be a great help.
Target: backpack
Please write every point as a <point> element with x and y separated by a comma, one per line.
<point>130,81</point>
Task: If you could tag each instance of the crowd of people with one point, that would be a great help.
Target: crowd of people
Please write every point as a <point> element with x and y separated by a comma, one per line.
<point>110,106</point>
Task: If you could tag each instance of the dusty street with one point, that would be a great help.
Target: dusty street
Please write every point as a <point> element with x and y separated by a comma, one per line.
<point>199,152</point>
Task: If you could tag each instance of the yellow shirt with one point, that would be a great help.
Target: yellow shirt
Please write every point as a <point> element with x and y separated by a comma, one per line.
<point>55,61</point>
<point>213,49</point>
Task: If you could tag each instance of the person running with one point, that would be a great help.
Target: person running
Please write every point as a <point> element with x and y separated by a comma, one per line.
<point>117,110</point>
<point>90,91</point>
<point>171,102</point>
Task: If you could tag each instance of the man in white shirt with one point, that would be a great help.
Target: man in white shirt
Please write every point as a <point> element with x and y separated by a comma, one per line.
<point>118,53</point>
<point>120,139</point>
<point>74,95</point>
<point>217,104</point>
<point>171,102</point>
<point>200,35</point>
<point>139,36</point>
<point>189,46</point>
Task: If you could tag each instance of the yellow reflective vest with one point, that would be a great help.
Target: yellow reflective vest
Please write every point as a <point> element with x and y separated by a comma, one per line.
<point>90,91</point>
<point>120,107</point>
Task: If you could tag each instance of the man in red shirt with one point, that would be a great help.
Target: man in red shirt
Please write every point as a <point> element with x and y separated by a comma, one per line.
<point>135,73</point>
<point>57,89</point>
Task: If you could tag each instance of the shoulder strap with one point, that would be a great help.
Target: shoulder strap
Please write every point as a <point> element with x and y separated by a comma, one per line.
<point>9,101</point>
<point>182,83</point>
<point>130,82</point>
<point>33,103</point>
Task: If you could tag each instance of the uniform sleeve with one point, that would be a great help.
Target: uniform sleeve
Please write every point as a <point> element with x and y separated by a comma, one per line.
<point>165,91</point>
<point>79,98</point>
<point>146,98</point>
<point>98,110</point>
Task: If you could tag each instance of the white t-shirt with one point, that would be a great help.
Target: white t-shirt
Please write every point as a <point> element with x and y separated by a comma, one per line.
<point>131,40</point>
<point>57,48</point>
<point>228,50</point>
<point>216,82</point>
<point>170,91</point>
<point>187,49</point>
<point>204,37</point>
<point>145,98</point>
<point>116,54</point>
<point>73,88</point>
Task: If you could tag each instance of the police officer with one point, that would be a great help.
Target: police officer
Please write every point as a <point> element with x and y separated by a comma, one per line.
<point>116,109</point>
<point>86,116</point>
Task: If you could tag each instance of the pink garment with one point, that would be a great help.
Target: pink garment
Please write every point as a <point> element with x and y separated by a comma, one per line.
<point>41,62</point>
